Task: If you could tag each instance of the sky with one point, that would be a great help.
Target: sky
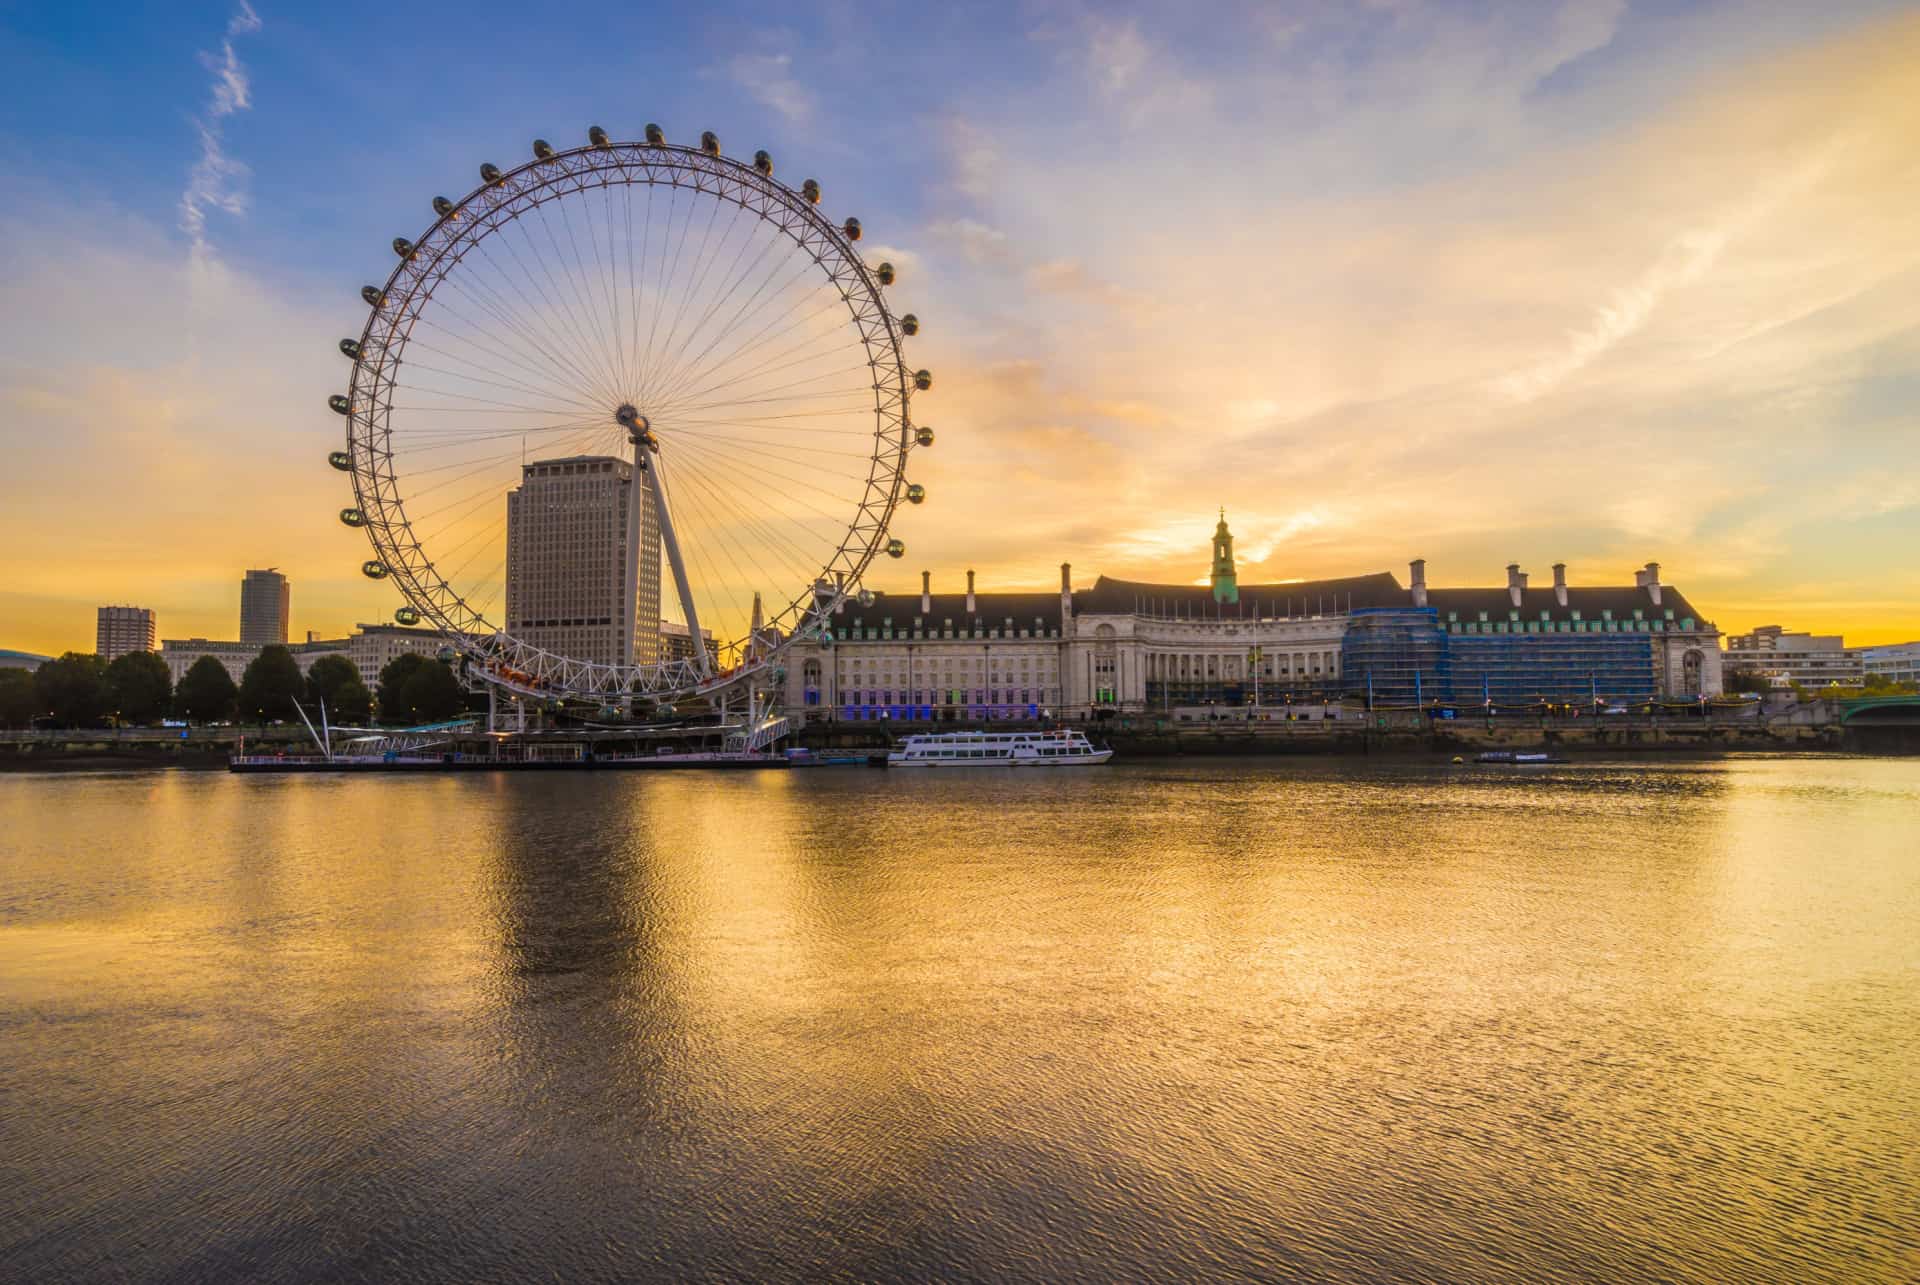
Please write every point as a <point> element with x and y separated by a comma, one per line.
<point>1599,282</point>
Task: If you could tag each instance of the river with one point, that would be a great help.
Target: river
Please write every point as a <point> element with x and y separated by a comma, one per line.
<point>1313,1019</point>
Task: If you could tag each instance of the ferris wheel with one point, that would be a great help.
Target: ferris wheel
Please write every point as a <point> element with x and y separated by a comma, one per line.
<point>619,384</point>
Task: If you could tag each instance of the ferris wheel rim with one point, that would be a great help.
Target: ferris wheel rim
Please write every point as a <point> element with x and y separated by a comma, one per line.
<point>502,197</point>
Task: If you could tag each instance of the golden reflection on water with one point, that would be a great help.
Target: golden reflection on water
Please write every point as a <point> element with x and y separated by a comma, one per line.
<point>1328,1019</point>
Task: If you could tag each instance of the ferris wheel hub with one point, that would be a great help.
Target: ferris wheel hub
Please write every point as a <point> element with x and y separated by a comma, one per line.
<point>639,427</point>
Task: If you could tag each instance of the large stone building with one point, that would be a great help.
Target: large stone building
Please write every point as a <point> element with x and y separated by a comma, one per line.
<point>265,603</point>
<point>570,542</point>
<point>370,648</point>
<point>120,630</point>
<point>1136,646</point>
<point>1890,662</point>
<point>1779,657</point>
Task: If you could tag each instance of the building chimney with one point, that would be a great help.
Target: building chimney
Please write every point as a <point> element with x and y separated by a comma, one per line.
<point>1516,582</point>
<point>1066,599</point>
<point>926,593</point>
<point>969,591</point>
<point>1560,583</point>
<point>1417,573</point>
<point>1652,582</point>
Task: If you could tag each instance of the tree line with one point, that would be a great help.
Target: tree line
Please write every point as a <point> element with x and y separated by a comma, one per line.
<point>79,689</point>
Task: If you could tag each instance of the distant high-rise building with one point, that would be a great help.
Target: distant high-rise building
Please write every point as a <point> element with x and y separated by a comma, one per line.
<point>120,630</point>
<point>676,644</point>
<point>263,607</point>
<point>570,542</point>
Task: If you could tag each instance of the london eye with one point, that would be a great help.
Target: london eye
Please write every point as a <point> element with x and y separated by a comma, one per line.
<point>624,391</point>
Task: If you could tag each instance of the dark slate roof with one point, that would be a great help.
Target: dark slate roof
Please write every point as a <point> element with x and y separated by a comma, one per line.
<point>991,609</point>
<point>1589,600</point>
<point>1110,597</point>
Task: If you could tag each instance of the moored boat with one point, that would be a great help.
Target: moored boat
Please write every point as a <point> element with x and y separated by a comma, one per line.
<point>1064,748</point>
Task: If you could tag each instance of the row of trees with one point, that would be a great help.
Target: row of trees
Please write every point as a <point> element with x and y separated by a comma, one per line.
<point>79,689</point>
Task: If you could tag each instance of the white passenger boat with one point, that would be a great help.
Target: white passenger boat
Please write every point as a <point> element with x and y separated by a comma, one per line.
<point>1002,749</point>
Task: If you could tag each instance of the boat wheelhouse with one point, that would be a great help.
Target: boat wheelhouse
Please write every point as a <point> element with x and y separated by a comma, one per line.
<point>1063,748</point>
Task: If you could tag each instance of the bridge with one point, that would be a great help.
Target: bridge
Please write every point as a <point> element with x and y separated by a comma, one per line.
<point>1880,711</point>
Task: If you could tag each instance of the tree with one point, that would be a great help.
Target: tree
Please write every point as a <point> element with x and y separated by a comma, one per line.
<point>73,689</point>
<point>271,684</point>
<point>419,689</point>
<point>393,682</point>
<point>206,693</point>
<point>336,681</point>
<point>19,704</point>
<point>139,689</point>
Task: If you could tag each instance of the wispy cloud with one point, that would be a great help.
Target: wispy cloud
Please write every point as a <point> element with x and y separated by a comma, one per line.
<point>769,80</point>
<point>1685,260</point>
<point>217,180</point>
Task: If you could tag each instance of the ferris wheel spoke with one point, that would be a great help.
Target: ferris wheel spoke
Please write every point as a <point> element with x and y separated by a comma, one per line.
<point>666,360</point>
<point>751,339</point>
<point>696,272</point>
<point>497,355</point>
<point>811,348</point>
<point>594,353</point>
<point>547,326</point>
<point>511,385</point>
<point>538,343</point>
<point>798,566</point>
<point>808,452</point>
<point>781,424</point>
<point>588,298</point>
<point>567,343</point>
<point>777,281</point>
<point>713,482</point>
<point>437,444</point>
<point>718,458</point>
<point>676,352</point>
<point>768,246</point>
<point>627,298</point>
<point>670,249</point>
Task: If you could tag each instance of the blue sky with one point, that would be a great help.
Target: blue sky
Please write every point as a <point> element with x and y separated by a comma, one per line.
<point>1591,281</point>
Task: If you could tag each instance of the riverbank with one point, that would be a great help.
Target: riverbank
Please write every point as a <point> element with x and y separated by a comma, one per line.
<point>208,749</point>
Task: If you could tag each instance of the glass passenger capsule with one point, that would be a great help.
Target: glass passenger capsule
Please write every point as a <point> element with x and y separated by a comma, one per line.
<point>442,206</point>
<point>916,493</point>
<point>542,149</point>
<point>852,228</point>
<point>340,460</point>
<point>374,569</point>
<point>885,273</point>
<point>656,136</point>
<point>339,405</point>
<point>352,517</point>
<point>763,162</point>
<point>403,247</point>
<point>909,325</point>
<point>596,136</point>
<point>923,380</point>
<point>811,190</point>
<point>896,549</point>
<point>406,616</point>
<point>923,435</point>
<point>351,347</point>
<point>374,295</point>
<point>865,598</point>
<point>489,174</point>
<point>709,142</point>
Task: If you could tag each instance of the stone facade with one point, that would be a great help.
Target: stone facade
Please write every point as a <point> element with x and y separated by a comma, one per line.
<point>1138,647</point>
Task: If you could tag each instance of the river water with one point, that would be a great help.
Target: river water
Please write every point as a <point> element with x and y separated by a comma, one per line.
<point>1297,1019</point>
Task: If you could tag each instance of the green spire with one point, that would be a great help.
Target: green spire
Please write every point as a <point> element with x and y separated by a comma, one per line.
<point>1225,587</point>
